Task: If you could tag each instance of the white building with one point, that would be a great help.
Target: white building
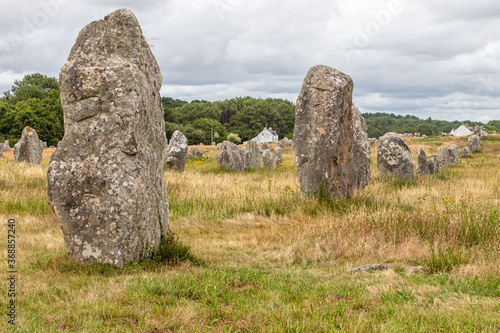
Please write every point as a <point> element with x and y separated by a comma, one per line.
<point>267,135</point>
<point>463,130</point>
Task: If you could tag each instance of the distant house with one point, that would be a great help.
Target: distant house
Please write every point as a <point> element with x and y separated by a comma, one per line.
<point>267,135</point>
<point>463,130</point>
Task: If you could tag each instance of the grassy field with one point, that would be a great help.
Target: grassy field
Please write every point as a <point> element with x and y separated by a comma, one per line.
<point>265,259</point>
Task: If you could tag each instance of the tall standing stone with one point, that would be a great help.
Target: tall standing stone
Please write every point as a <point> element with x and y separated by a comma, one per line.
<point>230,157</point>
<point>453,154</point>
<point>443,157</point>
<point>251,155</point>
<point>29,147</point>
<point>465,152</point>
<point>332,150</point>
<point>473,143</point>
<point>6,146</point>
<point>422,165</point>
<point>195,152</point>
<point>394,157</point>
<point>265,146</point>
<point>268,159</point>
<point>106,180</point>
<point>278,156</point>
<point>177,151</point>
<point>433,164</point>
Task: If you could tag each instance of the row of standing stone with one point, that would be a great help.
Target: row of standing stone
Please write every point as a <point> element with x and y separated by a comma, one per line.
<point>395,158</point>
<point>28,149</point>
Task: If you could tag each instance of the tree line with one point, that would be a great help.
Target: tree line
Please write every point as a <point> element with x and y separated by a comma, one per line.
<point>35,101</point>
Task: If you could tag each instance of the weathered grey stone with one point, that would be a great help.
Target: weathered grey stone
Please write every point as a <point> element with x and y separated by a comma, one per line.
<point>229,156</point>
<point>465,152</point>
<point>473,143</point>
<point>367,268</point>
<point>16,150</point>
<point>177,151</point>
<point>6,146</point>
<point>278,156</point>
<point>453,154</point>
<point>251,155</point>
<point>195,152</point>
<point>443,157</point>
<point>44,145</point>
<point>477,130</point>
<point>422,166</point>
<point>1,151</point>
<point>268,159</point>
<point>29,147</point>
<point>106,180</point>
<point>264,146</point>
<point>372,141</point>
<point>433,164</point>
<point>394,157</point>
<point>484,134</point>
<point>332,150</point>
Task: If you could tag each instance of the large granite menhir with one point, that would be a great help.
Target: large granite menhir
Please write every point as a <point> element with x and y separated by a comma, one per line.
<point>230,157</point>
<point>105,180</point>
<point>29,148</point>
<point>332,150</point>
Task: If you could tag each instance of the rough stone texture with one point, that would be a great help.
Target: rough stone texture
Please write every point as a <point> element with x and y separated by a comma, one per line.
<point>106,180</point>
<point>176,152</point>
<point>477,130</point>
<point>268,159</point>
<point>229,156</point>
<point>29,147</point>
<point>484,134</point>
<point>264,146</point>
<point>16,150</point>
<point>332,150</point>
<point>1,151</point>
<point>465,152</point>
<point>6,146</point>
<point>394,157</point>
<point>443,157</point>
<point>372,141</point>
<point>372,267</point>
<point>278,156</point>
<point>433,164</point>
<point>453,154</point>
<point>422,166</point>
<point>473,143</point>
<point>251,155</point>
<point>44,145</point>
<point>195,152</point>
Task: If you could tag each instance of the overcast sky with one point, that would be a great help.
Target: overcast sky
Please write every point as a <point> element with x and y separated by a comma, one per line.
<point>426,58</point>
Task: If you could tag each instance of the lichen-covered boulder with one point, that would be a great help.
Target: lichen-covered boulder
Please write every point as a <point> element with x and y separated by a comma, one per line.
<point>465,152</point>
<point>473,143</point>
<point>332,150</point>
<point>105,180</point>
<point>195,152</point>
<point>6,146</point>
<point>453,154</point>
<point>29,147</point>
<point>229,156</point>
<point>394,157</point>
<point>422,165</point>
<point>278,156</point>
<point>176,152</point>
<point>251,155</point>
<point>268,159</point>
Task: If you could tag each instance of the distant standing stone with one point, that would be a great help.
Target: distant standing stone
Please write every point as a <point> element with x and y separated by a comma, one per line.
<point>264,146</point>
<point>177,151</point>
<point>422,165</point>
<point>195,152</point>
<point>44,145</point>
<point>29,148</point>
<point>105,180</point>
<point>473,143</point>
<point>484,134</point>
<point>251,155</point>
<point>6,146</point>
<point>229,156</point>
<point>465,152</point>
<point>332,151</point>
<point>453,154</point>
<point>433,164</point>
<point>394,157</point>
<point>443,157</point>
<point>278,156</point>
<point>267,159</point>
